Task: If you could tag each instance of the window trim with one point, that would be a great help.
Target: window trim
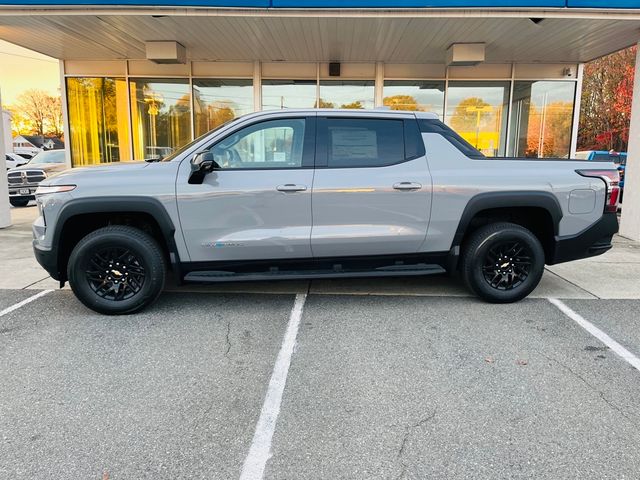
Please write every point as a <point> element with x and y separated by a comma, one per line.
<point>308,145</point>
<point>322,141</point>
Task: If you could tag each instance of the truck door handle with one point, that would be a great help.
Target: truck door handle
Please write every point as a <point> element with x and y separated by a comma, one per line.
<point>290,187</point>
<point>407,186</point>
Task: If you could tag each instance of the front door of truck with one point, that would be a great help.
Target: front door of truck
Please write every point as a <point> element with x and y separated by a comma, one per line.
<point>256,204</point>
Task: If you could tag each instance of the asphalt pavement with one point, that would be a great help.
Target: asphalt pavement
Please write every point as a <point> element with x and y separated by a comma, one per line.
<point>378,387</point>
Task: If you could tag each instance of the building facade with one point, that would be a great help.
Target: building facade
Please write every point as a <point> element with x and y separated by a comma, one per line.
<point>131,110</point>
<point>141,78</point>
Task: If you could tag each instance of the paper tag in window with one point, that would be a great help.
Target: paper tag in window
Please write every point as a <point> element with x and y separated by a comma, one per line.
<point>279,157</point>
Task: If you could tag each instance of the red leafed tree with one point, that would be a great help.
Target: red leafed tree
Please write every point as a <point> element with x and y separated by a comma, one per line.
<point>606,102</point>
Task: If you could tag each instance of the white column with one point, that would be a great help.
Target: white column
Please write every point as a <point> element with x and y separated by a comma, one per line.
<point>576,111</point>
<point>65,115</point>
<point>630,221</point>
<point>5,212</point>
<point>379,85</point>
<point>257,86</point>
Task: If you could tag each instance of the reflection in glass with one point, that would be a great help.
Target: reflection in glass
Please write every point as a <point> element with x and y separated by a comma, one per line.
<point>278,94</point>
<point>271,144</point>
<point>414,95</point>
<point>217,101</point>
<point>478,112</point>
<point>355,94</point>
<point>98,120</point>
<point>541,118</point>
<point>160,116</point>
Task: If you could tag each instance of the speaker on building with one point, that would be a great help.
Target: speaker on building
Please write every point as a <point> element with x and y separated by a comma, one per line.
<point>334,69</point>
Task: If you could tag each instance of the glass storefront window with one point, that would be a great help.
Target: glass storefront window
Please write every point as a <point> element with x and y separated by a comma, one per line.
<point>541,118</point>
<point>98,120</point>
<point>217,101</point>
<point>414,95</point>
<point>478,112</point>
<point>160,116</point>
<point>277,94</point>
<point>355,94</point>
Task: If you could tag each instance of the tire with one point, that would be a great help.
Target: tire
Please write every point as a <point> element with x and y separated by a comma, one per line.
<point>19,202</point>
<point>511,278</point>
<point>97,270</point>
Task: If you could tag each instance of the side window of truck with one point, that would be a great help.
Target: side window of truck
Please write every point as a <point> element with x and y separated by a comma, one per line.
<point>436,126</point>
<point>352,142</point>
<point>270,144</point>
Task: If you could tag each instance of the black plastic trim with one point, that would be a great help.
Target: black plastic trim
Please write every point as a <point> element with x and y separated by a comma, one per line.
<point>317,263</point>
<point>592,241</point>
<point>50,260</point>
<point>510,199</point>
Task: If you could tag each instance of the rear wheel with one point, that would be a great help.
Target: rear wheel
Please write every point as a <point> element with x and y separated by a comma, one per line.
<point>19,202</point>
<point>502,262</point>
<point>117,270</point>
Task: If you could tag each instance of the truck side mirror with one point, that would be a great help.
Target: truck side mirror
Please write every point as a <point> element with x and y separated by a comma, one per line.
<point>201,164</point>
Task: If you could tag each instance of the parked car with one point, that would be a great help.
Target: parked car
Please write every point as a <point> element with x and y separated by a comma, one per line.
<point>296,194</point>
<point>12,160</point>
<point>618,158</point>
<point>24,180</point>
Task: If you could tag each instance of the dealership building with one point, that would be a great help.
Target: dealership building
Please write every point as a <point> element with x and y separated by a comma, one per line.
<point>141,78</point>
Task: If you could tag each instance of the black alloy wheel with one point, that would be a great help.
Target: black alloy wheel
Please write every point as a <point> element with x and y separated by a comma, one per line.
<point>117,270</point>
<point>507,265</point>
<point>502,262</point>
<point>115,273</point>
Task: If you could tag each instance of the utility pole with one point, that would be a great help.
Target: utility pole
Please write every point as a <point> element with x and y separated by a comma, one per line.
<point>5,212</point>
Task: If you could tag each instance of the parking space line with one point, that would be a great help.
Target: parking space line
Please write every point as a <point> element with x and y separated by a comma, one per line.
<point>260,450</point>
<point>24,302</point>
<point>618,349</point>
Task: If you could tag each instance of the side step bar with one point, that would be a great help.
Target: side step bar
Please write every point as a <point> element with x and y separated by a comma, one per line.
<point>275,274</point>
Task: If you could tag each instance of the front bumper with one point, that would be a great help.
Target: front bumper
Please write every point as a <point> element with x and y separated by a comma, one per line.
<point>48,259</point>
<point>593,241</point>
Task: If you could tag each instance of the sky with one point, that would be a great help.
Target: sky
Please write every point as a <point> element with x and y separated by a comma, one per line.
<point>22,69</point>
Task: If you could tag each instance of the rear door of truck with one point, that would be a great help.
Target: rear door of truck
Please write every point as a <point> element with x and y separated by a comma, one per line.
<point>372,187</point>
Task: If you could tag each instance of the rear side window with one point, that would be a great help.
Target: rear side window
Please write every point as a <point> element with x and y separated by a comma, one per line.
<point>364,142</point>
<point>436,126</point>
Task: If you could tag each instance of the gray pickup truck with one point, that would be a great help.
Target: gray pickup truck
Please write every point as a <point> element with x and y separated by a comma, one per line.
<point>297,194</point>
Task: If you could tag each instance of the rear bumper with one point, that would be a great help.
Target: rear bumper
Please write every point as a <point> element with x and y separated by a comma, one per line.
<point>593,241</point>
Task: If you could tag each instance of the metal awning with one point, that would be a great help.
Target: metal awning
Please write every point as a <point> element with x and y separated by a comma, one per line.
<point>322,35</point>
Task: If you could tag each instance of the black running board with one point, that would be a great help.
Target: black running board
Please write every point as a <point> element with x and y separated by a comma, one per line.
<point>275,274</point>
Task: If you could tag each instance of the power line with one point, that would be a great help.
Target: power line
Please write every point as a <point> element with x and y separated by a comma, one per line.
<point>27,56</point>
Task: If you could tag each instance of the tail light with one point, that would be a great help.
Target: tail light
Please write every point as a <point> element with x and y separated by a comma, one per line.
<point>611,178</point>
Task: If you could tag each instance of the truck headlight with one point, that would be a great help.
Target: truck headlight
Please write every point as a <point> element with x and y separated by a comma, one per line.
<point>45,190</point>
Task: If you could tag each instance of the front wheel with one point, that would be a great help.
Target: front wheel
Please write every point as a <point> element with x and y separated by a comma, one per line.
<point>502,262</point>
<point>117,270</point>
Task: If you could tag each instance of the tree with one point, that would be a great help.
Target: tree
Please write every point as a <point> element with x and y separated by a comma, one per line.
<point>53,116</point>
<point>471,113</point>
<point>357,105</point>
<point>401,102</point>
<point>606,102</point>
<point>40,112</point>
<point>33,105</point>
<point>324,104</point>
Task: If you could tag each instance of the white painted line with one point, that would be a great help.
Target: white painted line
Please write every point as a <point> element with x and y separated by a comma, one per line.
<point>618,349</point>
<point>24,302</point>
<point>260,451</point>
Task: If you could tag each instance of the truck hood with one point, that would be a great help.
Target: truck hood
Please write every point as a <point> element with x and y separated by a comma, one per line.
<point>67,175</point>
<point>50,168</point>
